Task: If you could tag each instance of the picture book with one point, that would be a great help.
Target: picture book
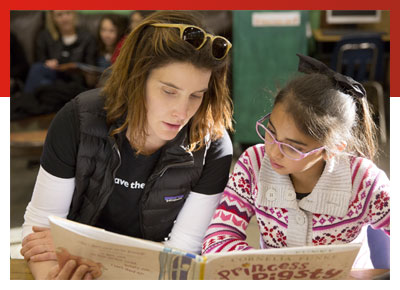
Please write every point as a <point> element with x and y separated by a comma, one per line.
<point>114,256</point>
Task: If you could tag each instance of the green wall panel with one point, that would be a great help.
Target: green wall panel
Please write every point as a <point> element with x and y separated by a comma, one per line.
<point>264,58</point>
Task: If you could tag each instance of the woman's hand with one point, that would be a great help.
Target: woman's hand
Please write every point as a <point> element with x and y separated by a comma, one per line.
<point>38,246</point>
<point>64,257</point>
<point>71,270</point>
<point>51,63</point>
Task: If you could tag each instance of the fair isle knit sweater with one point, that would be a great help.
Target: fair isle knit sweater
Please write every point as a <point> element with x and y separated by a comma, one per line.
<point>351,192</point>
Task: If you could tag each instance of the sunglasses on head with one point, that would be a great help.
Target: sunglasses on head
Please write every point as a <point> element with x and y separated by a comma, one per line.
<point>197,37</point>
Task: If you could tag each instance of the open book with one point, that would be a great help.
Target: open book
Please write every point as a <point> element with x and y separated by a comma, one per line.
<point>114,256</point>
<point>87,68</point>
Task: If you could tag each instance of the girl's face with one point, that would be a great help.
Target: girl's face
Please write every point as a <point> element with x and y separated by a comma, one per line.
<point>174,93</point>
<point>108,33</point>
<point>284,129</point>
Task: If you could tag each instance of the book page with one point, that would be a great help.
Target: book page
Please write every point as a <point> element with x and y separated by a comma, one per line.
<point>103,235</point>
<point>113,256</point>
<point>304,263</point>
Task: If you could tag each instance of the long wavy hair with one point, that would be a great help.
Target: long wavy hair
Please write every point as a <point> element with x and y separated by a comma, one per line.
<point>147,48</point>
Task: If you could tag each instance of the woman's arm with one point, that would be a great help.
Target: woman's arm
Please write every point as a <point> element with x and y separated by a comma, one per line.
<point>192,222</point>
<point>193,219</point>
<point>51,196</point>
<point>41,46</point>
<point>53,191</point>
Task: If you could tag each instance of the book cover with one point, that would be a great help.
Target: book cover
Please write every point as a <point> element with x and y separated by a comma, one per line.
<point>115,256</point>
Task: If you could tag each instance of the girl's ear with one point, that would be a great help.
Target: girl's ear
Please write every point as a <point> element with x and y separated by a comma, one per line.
<point>340,147</point>
<point>328,155</point>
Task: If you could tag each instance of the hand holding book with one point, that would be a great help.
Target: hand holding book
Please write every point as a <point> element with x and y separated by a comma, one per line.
<point>64,256</point>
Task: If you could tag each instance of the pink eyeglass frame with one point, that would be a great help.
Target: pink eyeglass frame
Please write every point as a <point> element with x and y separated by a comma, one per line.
<point>302,155</point>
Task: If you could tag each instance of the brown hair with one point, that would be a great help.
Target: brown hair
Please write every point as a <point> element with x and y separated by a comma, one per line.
<point>147,48</point>
<point>323,112</point>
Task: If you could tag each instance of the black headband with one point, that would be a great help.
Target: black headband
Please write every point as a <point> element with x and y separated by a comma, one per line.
<point>346,84</point>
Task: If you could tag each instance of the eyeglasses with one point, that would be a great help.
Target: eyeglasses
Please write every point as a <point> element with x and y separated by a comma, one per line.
<point>286,149</point>
<point>197,37</point>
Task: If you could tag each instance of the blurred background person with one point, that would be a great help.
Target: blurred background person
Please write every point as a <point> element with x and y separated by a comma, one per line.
<point>111,30</point>
<point>61,42</point>
<point>19,66</point>
<point>135,19</point>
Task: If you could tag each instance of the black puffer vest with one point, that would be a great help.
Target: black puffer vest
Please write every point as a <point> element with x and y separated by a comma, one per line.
<point>98,159</point>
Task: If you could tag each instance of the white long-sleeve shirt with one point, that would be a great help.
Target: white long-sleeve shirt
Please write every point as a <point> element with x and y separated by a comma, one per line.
<point>52,196</point>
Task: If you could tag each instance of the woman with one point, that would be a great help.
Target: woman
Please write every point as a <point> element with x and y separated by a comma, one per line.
<point>150,145</point>
<point>61,42</point>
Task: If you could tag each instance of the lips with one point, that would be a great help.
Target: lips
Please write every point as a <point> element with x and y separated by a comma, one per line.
<point>275,165</point>
<point>172,126</point>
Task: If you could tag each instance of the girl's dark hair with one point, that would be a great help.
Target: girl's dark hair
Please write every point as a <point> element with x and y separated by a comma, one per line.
<point>329,116</point>
<point>119,21</point>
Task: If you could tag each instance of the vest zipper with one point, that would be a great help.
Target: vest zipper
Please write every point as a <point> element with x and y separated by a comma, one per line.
<point>115,147</point>
<point>175,165</point>
<point>162,171</point>
<point>151,178</point>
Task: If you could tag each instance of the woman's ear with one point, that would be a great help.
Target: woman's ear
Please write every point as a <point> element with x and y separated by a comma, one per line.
<point>340,147</point>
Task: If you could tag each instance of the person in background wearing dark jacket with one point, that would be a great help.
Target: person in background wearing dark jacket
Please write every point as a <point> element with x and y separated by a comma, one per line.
<point>146,156</point>
<point>19,65</point>
<point>60,43</point>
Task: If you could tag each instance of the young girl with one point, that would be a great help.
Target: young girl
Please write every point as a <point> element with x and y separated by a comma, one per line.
<point>146,156</point>
<point>110,32</point>
<point>313,181</point>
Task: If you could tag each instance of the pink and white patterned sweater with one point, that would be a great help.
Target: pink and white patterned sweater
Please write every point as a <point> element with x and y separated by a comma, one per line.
<point>351,192</point>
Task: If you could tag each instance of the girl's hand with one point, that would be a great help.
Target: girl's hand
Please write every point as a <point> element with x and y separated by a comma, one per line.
<point>38,246</point>
<point>71,270</point>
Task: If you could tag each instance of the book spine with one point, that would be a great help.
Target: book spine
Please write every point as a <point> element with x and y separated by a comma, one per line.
<point>202,268</point>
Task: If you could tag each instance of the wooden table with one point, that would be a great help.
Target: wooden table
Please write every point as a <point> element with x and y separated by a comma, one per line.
<point>19,271</point>
<point>27,136</point>
<point>366,274</point>
<point>28,139</point>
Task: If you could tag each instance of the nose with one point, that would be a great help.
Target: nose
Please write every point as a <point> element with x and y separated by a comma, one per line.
<point>181,109</point>
<point>274,151</point>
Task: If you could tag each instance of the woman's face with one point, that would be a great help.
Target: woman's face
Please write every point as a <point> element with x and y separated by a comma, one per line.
<point>284,129</point>
<point>108,33</point>
<point>174,93</point>
<point>64,20</point>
